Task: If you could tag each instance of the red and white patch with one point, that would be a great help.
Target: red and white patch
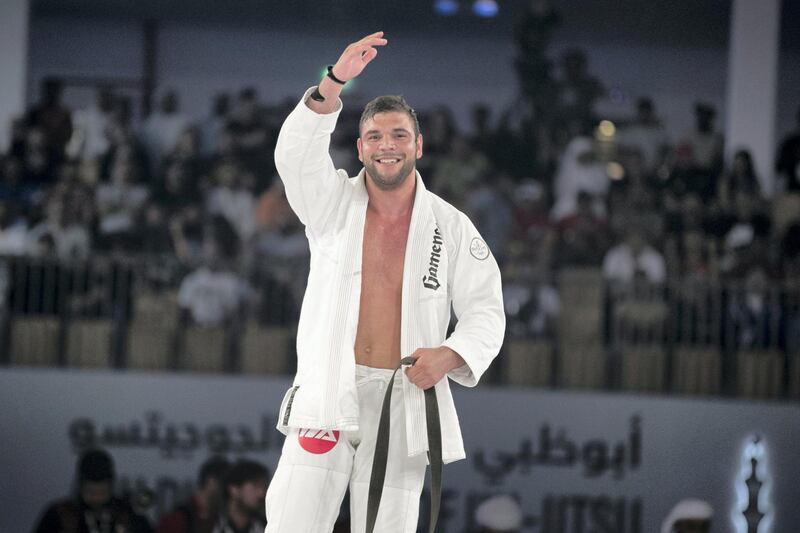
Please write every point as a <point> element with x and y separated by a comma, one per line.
<point>318,441</point>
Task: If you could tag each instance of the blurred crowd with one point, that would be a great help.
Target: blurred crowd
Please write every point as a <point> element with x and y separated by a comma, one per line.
<point>228,497</point>
<point>622,197</point>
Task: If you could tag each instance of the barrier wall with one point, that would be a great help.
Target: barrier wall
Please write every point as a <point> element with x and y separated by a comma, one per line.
<point>577,461</point>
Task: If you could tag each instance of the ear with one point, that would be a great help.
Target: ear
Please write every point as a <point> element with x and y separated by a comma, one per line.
<point>358,145</point>
<point>419,146</point>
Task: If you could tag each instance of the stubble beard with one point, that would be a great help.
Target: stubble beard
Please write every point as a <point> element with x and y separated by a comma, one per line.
<point>391,182</point>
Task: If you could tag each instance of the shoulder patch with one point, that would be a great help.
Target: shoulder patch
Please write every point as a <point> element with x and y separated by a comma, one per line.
<point>478,249</point>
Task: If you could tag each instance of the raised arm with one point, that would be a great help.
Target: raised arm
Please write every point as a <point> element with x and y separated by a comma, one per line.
<point>313,186</point>
<point>350,64</point>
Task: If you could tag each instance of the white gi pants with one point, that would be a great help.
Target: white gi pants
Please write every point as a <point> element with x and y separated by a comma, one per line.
<point>316,467</point>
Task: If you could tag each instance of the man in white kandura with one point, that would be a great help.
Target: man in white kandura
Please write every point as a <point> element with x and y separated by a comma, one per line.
<point>388,259</point>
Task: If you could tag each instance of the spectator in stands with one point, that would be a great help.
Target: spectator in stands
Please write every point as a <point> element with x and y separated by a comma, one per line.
<point>252,142</point>
<point>646,135</point>
<point>746,243</point>
<point>790,253</point>
<point>71,239</point>
<point>741,178</point>
<point>13,187</point>
<point>154,240</point>
<point>186,234</point>
<point>583,236</point>
<point>186,152</point>
<point>698,258</point>
<point>281,257</point>
<point>483,137</point>
<point>459,171</point>
<point>18,132</point>
<point>341,151</point>
<point>695,268</point>
<point>499,514</point>
<point>214,293</point>
<point>580,169</point>
<point>489,207</point>
<point>77,193</point>
<point>124,146</point>
<point>534,232</point>
<point>38,162</point>
<point>441,127</point>
<point>633,259</point>
<point>689,516</point>
<point>789,248</point>
<point>178,188</point>
<point>578,90</point>
<point>788,163</point>
<point>682,214</point>
<point>705,141</point>
<point>53,120</point>
<point>636,179</point>
<point>119,206</point>
<point>752,311</point>
<point>162,128</point>
<point>200,513</point>
<point>245,489</point>
<point>91,128</point>
<point>686,177</point>
<point>531,300</point>
<point>94,507</point>
<point>230,199</point>
<point>13,231</point>
<point>211,128</point>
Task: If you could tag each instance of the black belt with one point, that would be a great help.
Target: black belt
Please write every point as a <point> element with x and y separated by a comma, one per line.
<point>382,452</point>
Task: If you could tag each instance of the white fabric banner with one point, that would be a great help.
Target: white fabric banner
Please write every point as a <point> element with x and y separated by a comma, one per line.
<point>578,462</point>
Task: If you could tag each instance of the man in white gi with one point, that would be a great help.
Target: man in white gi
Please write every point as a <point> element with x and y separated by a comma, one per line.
<point>388,259</point>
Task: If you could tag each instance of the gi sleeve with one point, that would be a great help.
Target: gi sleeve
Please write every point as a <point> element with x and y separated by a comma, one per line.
<point>478,304</point>
<point>313,186</point>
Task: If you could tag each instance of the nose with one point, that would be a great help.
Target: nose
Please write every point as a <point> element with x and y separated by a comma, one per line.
<point>386,143</point>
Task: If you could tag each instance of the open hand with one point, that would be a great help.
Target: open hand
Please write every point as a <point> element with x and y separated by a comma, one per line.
<point>357,55</point>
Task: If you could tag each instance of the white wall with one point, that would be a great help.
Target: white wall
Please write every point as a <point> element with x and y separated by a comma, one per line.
<point>14,46</point>
<point>752,84</point>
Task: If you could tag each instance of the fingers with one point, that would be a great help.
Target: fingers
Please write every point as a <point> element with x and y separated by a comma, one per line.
<point>367,43</point>
<point>420,378</point>
<point>369,55</point>
<point>419,374</point>
<point>373,37</point>
<point>357,55</point>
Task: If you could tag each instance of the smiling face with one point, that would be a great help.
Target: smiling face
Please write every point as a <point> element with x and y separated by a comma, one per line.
<point>389,148</point>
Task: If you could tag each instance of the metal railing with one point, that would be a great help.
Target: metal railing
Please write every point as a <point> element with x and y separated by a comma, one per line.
<point>682,337</point>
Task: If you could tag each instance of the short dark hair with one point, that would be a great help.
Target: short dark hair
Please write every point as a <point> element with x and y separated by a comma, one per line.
<point>388,104</point>
<point>245,471</point>
<point>95,465</point>
<point>215,467</point>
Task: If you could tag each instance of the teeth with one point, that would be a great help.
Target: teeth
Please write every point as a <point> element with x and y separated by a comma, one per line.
<point>388,161</point>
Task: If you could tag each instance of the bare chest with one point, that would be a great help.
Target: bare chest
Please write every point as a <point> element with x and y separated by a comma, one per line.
<point>377,341</point>
<point>383,253</point>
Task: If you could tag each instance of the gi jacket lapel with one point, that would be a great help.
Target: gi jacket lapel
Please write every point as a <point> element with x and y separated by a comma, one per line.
<point>412,336</point>
<point>341,366</point>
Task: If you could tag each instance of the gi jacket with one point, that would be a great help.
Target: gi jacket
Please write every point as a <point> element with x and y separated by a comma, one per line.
<point>446,261</point>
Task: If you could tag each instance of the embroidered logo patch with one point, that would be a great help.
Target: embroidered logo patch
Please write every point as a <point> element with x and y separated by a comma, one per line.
<point>318,441</point>
<point>478,249</point>
<point>431,281</point>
